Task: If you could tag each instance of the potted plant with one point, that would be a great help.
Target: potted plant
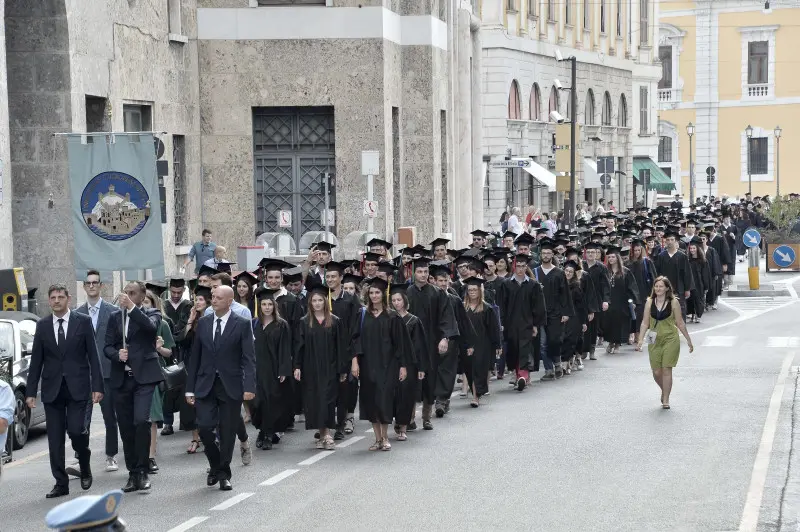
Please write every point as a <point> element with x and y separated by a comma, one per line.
<point>782,230</point>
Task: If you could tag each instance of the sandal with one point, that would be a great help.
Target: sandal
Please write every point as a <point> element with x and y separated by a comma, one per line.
<point>194,447</point>
<point>386,446</point>
<point>349,425</point>
<point>402,437</point>
<point>375,446</point>
<point>320,443</point>
<point>474,404</point>
<point>329,445</point>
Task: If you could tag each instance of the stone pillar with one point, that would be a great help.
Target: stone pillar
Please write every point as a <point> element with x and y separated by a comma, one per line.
<point>477,130</point>
<point>6,241</point>
<point>463,177</point>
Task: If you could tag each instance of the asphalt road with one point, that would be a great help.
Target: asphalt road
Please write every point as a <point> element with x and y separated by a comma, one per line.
<point>593,451</point>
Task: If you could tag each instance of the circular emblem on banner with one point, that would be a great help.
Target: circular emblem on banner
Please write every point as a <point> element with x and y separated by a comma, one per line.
<point>115,206</point>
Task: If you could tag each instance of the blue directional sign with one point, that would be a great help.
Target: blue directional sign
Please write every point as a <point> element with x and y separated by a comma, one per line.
<point>784,256</point>
<point>751,238</point>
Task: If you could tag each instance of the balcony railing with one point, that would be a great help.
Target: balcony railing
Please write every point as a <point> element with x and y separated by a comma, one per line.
<point>668,95</point>
<point>759,90</point>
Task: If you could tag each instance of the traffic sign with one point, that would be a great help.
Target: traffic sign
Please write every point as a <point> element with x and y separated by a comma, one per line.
<point>284,218</point>
<point>710,180</point>
<point>370,209</point>
<point>605,180</point>
<point>751,238</point>
<point>331,217</point>
<point>605,165</point>
<point>519,163</point>
<point>784,256</point>
<point>710,171</point>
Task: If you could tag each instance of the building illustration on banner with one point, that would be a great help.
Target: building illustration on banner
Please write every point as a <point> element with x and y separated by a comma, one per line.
<point>121,209</point>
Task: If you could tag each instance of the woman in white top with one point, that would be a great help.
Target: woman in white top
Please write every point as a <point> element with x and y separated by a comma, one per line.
<point>513,222</point>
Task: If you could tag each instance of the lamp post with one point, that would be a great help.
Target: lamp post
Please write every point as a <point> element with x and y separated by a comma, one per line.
<point>690,132</point>
<point>778,132</point>
<point>749,132</point>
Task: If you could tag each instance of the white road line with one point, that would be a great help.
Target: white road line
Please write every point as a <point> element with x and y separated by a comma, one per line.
<point>369,430</point>
<point>719,341</point>
<point>271,481</point>
<point>755,493</point>
<point>191,523</point>
<point>349,442</point>
<point>41,454</point>
<point>783,341</point>
<point>316,458</point>
<point>742,318</point>
<point>236,499</point>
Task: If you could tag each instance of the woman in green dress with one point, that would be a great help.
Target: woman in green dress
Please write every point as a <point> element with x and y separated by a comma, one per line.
<point>661,322</point>
<point>164,344</point>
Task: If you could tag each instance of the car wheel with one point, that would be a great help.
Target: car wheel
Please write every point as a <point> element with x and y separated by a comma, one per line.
<point>22,421</point>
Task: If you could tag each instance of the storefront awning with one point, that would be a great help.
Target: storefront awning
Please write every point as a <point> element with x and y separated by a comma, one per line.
<point>542,175</point>
<point>657,180</point>
<point>591,179</point>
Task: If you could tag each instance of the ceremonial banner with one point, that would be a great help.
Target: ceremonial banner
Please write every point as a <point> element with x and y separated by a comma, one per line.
<point>114,197</point>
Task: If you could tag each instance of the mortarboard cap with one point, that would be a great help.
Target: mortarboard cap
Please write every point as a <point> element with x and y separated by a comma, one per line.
<point>178,282</point>
<point>157,287</point>
<point>571,264</point>
<point>524,239</point>
<point>251,277</point>
<point>334,266</point>
<point>372,257</point>
<point>266,293</point>
<point>378,283</point>
<point>352,278</point>
<point>509,234</point>
<point>593,245</point>
<point>422,262</point>
<point>398,288</point>
<point>387,267</point>
<point>473,281</point>
<point>204,292</point>
<point>613,249</point>
<point>272,265</point>
<point>324,246</point>
<point>292,275</point>
<point>379,242</point>
<point>480,233</point>
<point>439,242</point>
<point>207,270</point>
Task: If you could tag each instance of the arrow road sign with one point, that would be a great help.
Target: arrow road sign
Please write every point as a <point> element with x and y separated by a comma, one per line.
<point>605,180</point>
<point>751,238</point>
<point>520,163</point>
<point>784,256</point>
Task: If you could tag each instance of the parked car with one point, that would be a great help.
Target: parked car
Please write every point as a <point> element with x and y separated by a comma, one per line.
<point>16,340</point>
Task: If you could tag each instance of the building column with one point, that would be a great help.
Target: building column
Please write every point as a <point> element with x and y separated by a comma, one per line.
<point>477,130</point>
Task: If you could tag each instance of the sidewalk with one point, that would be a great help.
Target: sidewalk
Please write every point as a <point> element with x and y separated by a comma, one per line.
<point>771,284</point>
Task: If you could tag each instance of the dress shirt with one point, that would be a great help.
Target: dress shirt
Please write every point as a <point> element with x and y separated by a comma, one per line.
<point>94,312</point>
<point>224,319</point>
<point>65,317</point>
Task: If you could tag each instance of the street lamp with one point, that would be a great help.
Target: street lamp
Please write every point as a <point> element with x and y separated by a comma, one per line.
<point>749,132</point>
<point>778,132</point>
<point>690,132</point>
<point>573,121</point>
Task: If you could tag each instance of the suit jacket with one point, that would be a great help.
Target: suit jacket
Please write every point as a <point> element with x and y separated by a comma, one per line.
<point>233,358</point>
<point>141,342</point>
<point>106,309</point>
<point>76,360</point>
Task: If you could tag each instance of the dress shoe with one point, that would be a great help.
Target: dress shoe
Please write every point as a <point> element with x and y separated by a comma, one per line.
<point>211,479</point>
<point>225,485</point>
<point>57,491</point>
<point>412,426</point>
<point>427,425</point>
<point>267,446</point>
<point>276,438</point>
<point>143,482</point>
<point>131,485</point>
<point>260,440</point>
<point>152,466</point>
<point>86,481</point>
<point>167,430</point>
<point>338,435</point>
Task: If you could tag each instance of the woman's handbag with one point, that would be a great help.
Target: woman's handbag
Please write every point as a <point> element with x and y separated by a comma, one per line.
<point>174,374</point>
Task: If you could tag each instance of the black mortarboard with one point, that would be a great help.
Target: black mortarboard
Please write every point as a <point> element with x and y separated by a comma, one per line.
<point>696,241</point>
<point>372,257</point>
<point>546,243</point>
<point>320,289</point>
<point>398,288</point>
<point>352,278</point>
<point>480,233</point>
<point>561,242</point>
<point>266,293</point>
<point>177,282</point>
<point>324,246</point>
<point>378,283</point>
<point>613,249</point>
<point>422,262</point>
<point>439,242</point>
<point>225,266</point>
<point>672,231</point>
<point>157,287</point>
<point>379,242</point>
<point>271,265</point>
<point>336,267</point>
<point>637,242</point>
<point>593,245</point>
<point>474,281</point>
<point>542,231</point>
<point>509,234</point>
<point>571,264</point>
<point>387,268</point>
<point>207,270</point>
<point>572,251</point>
<point>440,267</point>
<point>292,275</point>
<point>204,292</point>
<point>525,239</point>
<point>245,275</point>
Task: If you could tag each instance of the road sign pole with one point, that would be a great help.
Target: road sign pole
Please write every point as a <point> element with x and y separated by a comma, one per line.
<point>370,194</point>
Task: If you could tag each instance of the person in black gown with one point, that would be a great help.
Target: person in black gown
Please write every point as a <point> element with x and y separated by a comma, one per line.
<point>416,366</point>
<point>598,275</point>
<point>645,273</point>
<point>320,364</point>
<point>581,295</point>
<point>488,343</point>
<point>382,353</point>
<point>624,296</point>
<point>558,306</point>
<point>673,264</point>
<point>273,347</point>
<point>701,280</point>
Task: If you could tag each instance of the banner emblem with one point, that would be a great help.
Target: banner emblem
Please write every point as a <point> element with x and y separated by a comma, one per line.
<point>115,206</point>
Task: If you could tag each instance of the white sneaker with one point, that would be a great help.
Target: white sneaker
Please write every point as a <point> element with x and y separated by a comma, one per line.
<point>111,464</point>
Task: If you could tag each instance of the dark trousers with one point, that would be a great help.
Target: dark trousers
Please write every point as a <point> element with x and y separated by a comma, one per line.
<point>132,402</point>
<point>109,418</point>
<point>241,429</point>
<point>218,411</point>
<point>65,415</point>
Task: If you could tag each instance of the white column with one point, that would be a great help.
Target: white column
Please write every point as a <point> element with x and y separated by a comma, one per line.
<point>477,130</point>
<point>463,176</point>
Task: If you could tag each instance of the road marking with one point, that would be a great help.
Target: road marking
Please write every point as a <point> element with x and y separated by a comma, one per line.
<point>271,481</point>
<point>191,523</point>
<point>41,454</point>
<point>349,442</point>
<point>719,341</point>
<point>236,499</point>
<point>316,458</point>
<point>742,317</point>
<point>783,341</point>
<point>368,431</point>
<point>755,493</point>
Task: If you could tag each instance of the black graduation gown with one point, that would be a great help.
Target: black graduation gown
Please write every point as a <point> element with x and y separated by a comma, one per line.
<point>273,349</point>
<point>676,269</point>
<point>645,273</point>
<point>347,308</point>
<point>558,303</point>
<point>383,347</point>
<point>321,356</point>
<point>573,331</point>
<point>729,235</point>
<point>407,392</point>
<point>292,310</point>
<point>432,306</point>
<point>487,341</point>
<point>701,282</point>
<point>599,277</point>
<point>617,320</point>
<point>523,309</point>
<point>179,317</point>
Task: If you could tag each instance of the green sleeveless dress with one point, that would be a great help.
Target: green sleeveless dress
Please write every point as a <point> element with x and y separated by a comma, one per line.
<point>665,351</point>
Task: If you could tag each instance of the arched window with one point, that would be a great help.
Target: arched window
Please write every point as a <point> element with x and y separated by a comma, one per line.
<point>622,112</point>
<point>514,112</point>
<point>588,117</point>
<point>535,112</point>
<point>553,104</point>
<point>605,117</point>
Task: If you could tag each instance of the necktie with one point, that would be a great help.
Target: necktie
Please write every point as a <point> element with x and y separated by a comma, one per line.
<point>218,332</point>
<point>61,336</point>
<point>93,313</point>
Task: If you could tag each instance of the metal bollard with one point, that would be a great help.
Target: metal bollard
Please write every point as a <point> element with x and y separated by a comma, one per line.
<point>753,267</point>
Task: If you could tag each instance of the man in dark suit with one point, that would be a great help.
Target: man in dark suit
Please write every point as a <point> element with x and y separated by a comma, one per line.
<point>221,375</point>
<point>65,359</point>
<point>135,372</point>
<point>99,311</point>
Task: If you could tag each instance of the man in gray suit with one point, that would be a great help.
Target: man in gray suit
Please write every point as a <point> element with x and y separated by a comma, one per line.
<point>100,311</point>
